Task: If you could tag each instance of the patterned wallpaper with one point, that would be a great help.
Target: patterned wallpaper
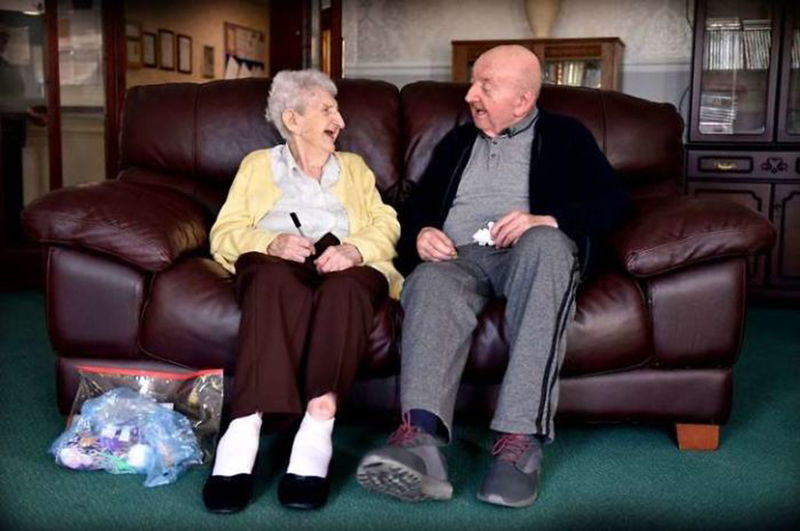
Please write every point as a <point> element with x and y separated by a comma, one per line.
<point>654,31</point>
<point>418,32</point>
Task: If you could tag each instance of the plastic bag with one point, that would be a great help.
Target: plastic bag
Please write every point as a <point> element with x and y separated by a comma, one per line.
<point>125,432</point>
<point>196,394</point>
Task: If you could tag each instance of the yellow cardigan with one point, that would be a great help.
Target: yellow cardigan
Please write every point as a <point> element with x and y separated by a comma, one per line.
<point>374,228</point>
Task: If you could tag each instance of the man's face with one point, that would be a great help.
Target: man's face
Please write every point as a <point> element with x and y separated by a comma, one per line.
<point>494,97</point>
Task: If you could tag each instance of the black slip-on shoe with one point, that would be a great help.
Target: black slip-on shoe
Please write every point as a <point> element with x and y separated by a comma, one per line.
<point>228,494</point>
<point>302,492</point>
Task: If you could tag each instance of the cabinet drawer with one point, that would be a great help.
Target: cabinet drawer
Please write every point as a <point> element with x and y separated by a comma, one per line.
<point>773,165</point>
<point>725,164</point>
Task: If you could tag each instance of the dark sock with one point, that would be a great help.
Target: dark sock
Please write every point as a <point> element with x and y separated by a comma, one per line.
<point>428,422</point>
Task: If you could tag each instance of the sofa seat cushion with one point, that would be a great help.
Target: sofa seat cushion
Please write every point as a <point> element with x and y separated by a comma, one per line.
<point>192,319</point>
<point>611,331</point>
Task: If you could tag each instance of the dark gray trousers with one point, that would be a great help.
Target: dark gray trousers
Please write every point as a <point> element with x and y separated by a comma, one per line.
<point>442,301</point>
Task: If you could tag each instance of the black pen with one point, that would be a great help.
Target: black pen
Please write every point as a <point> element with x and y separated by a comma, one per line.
<point>296,222</point>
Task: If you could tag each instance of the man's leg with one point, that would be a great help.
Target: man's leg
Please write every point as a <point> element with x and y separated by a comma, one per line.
<point>539,281</point>
<point>538,278</point>
<point>441,302</point>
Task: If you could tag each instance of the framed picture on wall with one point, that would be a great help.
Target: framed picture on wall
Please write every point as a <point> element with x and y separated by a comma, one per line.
<point>133,30</point>
<point>208,61</point>
<point>133,44</point>
<point>245,50</point>
<point>133,52</point>
<point>184,54</point>
<point>149,57</point>
<point>166,49</point>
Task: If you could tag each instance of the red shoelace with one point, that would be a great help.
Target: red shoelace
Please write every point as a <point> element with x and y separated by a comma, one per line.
<point>405,432</point>
<point>510,447</point>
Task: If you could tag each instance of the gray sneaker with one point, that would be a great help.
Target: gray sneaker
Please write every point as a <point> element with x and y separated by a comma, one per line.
<point>513,476</point>
<point>410,468</point>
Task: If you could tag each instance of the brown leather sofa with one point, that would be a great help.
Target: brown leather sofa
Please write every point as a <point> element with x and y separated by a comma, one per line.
<point>655,338</point>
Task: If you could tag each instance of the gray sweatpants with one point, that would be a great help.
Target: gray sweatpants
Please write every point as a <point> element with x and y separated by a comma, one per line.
<point>442,301</point>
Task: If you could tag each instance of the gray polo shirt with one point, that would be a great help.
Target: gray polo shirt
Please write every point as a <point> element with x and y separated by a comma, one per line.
<point>494,182</point>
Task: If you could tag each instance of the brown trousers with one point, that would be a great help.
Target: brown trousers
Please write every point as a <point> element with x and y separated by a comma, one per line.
<point>301,335</point>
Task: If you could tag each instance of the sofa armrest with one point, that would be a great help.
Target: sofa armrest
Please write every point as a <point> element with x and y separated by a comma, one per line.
<point>667,234</point>
<point>147,226</point>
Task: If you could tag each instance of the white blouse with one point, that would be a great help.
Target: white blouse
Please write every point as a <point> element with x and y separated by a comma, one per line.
<point>318,210</point>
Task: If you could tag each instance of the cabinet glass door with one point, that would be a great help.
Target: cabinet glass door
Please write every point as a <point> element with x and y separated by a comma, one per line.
<point>738,53</point>
<point>789,120</point>
<point>576,72</point>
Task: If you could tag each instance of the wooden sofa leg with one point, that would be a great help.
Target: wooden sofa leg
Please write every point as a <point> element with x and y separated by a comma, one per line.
<point>697,436</point>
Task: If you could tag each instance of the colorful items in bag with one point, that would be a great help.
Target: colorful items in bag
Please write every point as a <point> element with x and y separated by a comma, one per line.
<point>196,394</point>
<point>124,432</point>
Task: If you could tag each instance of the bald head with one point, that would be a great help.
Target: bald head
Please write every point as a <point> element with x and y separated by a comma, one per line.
<point>505,86</point>
<point>517,64</point>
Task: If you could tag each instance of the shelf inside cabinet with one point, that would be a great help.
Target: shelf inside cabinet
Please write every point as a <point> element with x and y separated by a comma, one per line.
<point>595,63</point>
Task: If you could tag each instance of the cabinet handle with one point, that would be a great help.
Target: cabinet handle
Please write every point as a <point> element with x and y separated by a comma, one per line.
<point>725,166</point>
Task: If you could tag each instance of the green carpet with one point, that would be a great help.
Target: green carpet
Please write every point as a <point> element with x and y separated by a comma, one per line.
<point>595,477</point>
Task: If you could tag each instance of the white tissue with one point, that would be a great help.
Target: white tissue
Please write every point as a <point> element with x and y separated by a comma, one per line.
<point>483,236</point>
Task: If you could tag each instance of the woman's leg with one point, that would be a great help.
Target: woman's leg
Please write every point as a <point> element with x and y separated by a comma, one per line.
<point>344,306</point>
<point>276,298</point>
<point>276,302</point>
<point>312,449</point>
<point>344,311</point>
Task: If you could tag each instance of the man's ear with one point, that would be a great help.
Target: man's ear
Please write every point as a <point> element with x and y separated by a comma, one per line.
<point>289,118</point>
<point>525,103</point>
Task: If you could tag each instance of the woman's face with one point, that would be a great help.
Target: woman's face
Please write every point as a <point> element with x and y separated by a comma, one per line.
<point>319,125</point>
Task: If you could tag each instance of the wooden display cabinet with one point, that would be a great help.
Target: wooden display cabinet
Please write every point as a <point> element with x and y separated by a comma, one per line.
<point>744,126</point>
<point>595,63</point>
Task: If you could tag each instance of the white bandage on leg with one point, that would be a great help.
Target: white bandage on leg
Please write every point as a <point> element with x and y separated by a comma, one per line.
<point>312,448</point>
<point>238,447</point>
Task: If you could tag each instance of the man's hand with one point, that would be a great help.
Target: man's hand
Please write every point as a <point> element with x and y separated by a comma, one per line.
<point>291,247</point>
<point>433,245</point>
<point>338,258</point>
<point>510,228</point>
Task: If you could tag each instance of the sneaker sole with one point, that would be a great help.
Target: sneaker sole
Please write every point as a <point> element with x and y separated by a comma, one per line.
<point>496,499</point>
<point>388,476</point>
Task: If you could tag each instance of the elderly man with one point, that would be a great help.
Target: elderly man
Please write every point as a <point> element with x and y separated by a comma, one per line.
<point>552,196</point>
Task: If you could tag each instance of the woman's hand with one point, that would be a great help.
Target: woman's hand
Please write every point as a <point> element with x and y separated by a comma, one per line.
<point>338,258</point>
<point>291,247</point>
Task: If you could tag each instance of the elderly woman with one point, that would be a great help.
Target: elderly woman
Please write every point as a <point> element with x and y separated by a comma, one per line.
<point>306,311</point>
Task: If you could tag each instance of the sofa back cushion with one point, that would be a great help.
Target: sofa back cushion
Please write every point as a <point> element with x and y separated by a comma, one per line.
<point>642,139</point>
<point>193,136</point>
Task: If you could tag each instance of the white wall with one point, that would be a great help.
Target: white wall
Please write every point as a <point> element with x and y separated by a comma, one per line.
<point>405,40</point>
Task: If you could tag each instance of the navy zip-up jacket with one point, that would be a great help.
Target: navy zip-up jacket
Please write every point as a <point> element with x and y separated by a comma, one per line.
<point>570,179</point>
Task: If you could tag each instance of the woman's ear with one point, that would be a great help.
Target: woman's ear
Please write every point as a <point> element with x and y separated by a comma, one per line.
<point>290,121</point>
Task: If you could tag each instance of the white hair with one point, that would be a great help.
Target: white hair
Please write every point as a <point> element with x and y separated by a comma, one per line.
<point>291,90</point>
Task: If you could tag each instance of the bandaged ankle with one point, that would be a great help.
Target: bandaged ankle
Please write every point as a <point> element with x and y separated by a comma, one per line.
<point>238,447</point>
<point>312,448</point>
